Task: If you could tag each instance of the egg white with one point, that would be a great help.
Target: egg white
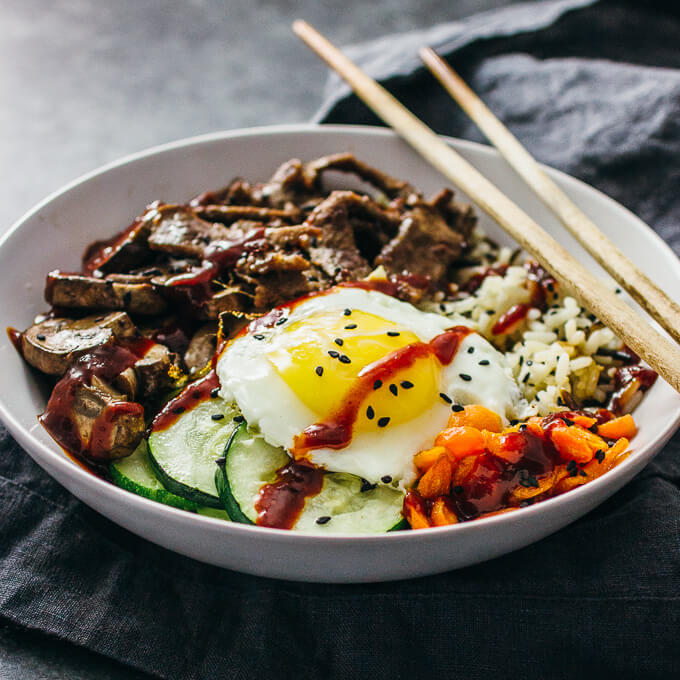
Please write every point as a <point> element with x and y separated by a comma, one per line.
<point>269,404</point>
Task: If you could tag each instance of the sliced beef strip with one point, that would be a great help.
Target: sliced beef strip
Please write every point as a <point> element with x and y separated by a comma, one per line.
<point>340,217</point>
<point>86,292</point>
<point>347,162</point>
<point>229,299</point>
<point>51,345</point>
<point>459,216</point>
<point>298,236</point>
<point>201,348</point>
<point>123,252</point>
<point>425,245</point>
<point>239,192</point>
<point>124,428</point>
<point>277,287</point>
<point>228,214</point>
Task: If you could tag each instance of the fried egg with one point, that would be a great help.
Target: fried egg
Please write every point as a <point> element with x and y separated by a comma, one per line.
<point>303,366</point>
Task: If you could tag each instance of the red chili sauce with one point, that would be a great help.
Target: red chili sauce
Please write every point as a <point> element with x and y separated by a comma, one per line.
<point>280,503</point>
<point>336,432</point>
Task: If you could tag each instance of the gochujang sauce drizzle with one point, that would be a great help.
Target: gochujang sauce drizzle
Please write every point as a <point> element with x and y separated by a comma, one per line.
<point>190,397</point>
<point>336,432</point>
<point>280,503</point>
<point>491,481</point>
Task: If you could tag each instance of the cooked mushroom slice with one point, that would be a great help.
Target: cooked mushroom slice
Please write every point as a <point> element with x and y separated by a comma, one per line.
<point>127,383</point>
<point>50,345</point>
<point>106,423</point>
<point>157,371</point>
<point>230,299</point>
<point>201,348</point>
<point>85,292</point>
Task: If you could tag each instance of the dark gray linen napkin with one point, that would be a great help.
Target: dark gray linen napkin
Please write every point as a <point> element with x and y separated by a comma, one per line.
<point>591,88</point>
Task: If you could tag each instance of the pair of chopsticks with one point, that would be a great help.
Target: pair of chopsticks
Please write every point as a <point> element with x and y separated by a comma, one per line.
<point>656,349</point>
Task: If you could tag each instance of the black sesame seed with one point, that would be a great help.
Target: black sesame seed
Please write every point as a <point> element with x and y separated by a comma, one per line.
<point>333,354</point>
<point>339,342</point>
<point>386,479</point>
<point>470,350</point>
<point>484,362</point>
<point>347,312</point>
<point>258,336</point>
<point>178,409</point>
<point>593,428</point>
<point>583,473</point>
<point>521,360</point>
<point>618,291</point>
<point>458,489</point>
<point>490,312</point>
<point>377,384</point>
<point>370,413</point>
<point>573,473</point>
<point>393,389</point>
<point>366,486</point>
<point>281,321</point>
<point>382,422</point>
<point>457,408</point>
<point>567,421</point>
<point>599,454</point>
<point>550,287</point>
<point>446,398</point>
<point>530,363</point>
<point>323,520</point>
<point>217,416</point>
<point>319,370</point>
<point>571,465</point>
<point>221,461</point>
<point>40,337</point>
<point>344,359</point>
<point>215,393</point>
<point>532,481</point>
<point>195,394</point>
<point>406,384</point>
<point>393,334</point>
<point>465,376</point>
<point>239,419</point>
<point>522,427</point>
<point>525,378</point>
<point>350,326</point>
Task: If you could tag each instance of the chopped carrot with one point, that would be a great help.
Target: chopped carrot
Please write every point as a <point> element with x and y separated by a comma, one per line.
<point>619,427</point>
<point>523,493</point>
<point>535,425</point>
<point>416,518</point>
<point>441,514</point>
<point>509,445</point>
<point>424,460</point>
<point>477,416</point>
<point>575,443</point>
<point>437,480</point>
<point>461,441</point>
<point>584,421</point>
<point>605,459</point>
<point>571,482</point>
<point>464,468</point>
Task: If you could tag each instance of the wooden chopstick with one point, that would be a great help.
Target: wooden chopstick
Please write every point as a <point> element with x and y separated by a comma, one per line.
<point>648,295</point>
<point>657,350</point>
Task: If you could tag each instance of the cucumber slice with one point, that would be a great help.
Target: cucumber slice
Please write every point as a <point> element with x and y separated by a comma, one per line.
<point>251,463</point>
<point>183,455</point>
<point>135,474</point>
<point>217,513</point>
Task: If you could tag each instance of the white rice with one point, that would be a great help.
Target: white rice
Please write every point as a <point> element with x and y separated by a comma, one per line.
<point>552,353</point>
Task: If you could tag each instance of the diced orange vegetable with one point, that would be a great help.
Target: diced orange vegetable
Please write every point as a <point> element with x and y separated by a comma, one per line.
<point>575,443</point>
<point>619,427</point>
<point>424,460</point>
<point>464,468</point>
<point>523,493</point>
<point>437,480</point>
<point>584,421</point>
<point>461,441</point>
<point>441,514</point>
<point>571,482</point>
<point>508,445</point>
<point>608,459</point>
<point>496,512</point>
<point>534,425</point>
<point>416,518</point>
<point>477,416</point>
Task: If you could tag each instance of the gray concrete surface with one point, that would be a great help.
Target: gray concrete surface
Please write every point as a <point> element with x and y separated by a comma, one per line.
<point>84,82</point>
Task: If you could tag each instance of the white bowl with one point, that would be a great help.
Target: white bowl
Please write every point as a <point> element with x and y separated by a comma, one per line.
<point>55,233</point>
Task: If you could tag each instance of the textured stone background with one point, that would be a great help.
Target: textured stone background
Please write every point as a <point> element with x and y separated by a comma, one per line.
<point>84,82</point>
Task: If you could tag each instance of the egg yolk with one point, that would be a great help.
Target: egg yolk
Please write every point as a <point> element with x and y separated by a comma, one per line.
<point>320,358</point>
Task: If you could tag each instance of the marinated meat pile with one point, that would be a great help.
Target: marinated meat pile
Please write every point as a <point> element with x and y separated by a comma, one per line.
<point>142,315</point>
